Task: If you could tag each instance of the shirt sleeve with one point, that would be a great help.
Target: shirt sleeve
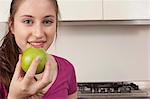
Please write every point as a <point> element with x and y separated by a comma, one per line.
<point>72,81</point>
<point>3,92</point>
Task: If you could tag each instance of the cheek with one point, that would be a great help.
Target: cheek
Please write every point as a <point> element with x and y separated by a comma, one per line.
<point>52,35</point>
<point>20,40</point>
<point>20,36</point>
<point>50,38</point>
<point>20,31</point>
<point>51,32</point>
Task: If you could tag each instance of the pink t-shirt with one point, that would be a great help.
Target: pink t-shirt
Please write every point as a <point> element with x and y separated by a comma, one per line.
<point>65,83</point>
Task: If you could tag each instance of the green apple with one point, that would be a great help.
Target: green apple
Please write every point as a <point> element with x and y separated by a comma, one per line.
<point>31,53</point>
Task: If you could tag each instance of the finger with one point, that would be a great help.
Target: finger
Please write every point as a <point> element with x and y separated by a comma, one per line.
<point>47,72</point>
<point>18,69</point>
<point>40,93</point>
<point>45,78</point>
<point>32,69</point>
<point>50,70</point>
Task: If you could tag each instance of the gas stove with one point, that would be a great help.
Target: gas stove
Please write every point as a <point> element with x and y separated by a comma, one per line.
<point>110,89</point>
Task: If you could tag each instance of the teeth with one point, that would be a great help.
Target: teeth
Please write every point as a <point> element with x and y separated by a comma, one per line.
<point>37,45</point>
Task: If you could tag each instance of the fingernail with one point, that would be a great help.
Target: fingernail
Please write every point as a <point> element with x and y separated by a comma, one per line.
<point>37,58</point>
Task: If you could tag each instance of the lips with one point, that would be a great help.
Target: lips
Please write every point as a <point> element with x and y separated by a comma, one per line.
<point>37,44</point>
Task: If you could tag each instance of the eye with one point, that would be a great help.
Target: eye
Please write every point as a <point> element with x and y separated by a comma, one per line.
<point>28,22</point>
<point>47,22</point>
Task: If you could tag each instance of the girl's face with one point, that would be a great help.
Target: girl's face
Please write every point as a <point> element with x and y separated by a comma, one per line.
<point>35,24</point>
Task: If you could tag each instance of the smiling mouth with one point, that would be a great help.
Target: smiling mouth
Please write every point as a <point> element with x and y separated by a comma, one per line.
<point>37,44</point>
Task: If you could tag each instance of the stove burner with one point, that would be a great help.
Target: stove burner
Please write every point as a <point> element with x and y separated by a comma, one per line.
<point>107,87</point>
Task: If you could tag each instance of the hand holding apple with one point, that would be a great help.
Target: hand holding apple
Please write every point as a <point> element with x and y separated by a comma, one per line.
<point>31,53</point>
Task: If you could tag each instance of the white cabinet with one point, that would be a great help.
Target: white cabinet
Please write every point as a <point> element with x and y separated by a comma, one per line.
<point>126,9</point>
<point>72,10</point>
<point>86,10</point>
<point>4,10</point>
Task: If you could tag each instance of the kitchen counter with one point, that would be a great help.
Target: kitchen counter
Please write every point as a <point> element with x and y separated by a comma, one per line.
<point>141,95</point>
<point>116,98</point>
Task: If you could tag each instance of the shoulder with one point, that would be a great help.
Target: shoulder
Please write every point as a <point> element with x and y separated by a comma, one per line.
<point>66,68</point>
<point>64,63</point>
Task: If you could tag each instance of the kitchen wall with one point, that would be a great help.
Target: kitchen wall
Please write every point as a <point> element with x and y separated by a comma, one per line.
<point>3,28</point>
<point>104,52</point>
<point>149,53</point>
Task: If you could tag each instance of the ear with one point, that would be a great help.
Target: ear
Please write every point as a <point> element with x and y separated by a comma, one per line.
<point>11,27</point>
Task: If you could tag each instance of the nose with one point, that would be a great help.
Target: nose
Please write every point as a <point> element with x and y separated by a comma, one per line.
<point>38,31</point>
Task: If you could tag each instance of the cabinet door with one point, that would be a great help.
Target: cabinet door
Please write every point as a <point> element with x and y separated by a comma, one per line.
<point>126,9</point>
<point>74,10</point>
<point>4,10</point>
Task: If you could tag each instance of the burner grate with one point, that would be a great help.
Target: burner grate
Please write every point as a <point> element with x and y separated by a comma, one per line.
<point>107,87</point>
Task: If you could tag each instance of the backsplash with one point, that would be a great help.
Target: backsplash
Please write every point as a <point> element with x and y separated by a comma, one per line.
<point>106,53</point>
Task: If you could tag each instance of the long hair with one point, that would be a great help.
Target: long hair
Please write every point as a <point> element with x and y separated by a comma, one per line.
<point>9,50</point>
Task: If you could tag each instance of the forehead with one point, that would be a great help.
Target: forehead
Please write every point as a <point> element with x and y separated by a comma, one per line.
<point>36,8</point>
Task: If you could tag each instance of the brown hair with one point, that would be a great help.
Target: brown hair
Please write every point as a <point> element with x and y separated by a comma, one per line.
<point>9,50</point>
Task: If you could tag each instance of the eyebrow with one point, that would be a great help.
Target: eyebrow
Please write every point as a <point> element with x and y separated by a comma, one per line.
<point>47,16</point>
<point>27,16</point>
